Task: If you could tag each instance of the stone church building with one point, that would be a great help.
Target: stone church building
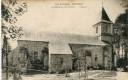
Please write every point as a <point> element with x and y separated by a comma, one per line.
<point>55,52</point>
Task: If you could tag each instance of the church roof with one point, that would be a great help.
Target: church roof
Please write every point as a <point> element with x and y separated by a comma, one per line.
<point>62,38</point>
<point>59,48</point>
<point>59,42</point>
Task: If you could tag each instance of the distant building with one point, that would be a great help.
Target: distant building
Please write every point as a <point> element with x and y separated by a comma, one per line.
<point>59,52</point>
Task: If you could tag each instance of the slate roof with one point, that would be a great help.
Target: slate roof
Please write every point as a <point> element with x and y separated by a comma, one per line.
<point>104,15</point>
<point>62,38</point>
<point>59,43</point>
<point>59,48</point>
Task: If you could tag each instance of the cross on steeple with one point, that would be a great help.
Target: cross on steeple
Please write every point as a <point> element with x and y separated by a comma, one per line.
<point>102,3</point>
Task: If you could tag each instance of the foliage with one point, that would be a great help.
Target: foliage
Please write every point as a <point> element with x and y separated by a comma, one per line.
<point>121,25</point>
<point>122,19</point>
<point>10,11</point>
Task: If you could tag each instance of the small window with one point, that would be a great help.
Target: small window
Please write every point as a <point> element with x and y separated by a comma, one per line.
<point>97,29</point>
<point>96,57</point>
<point>106,28</point>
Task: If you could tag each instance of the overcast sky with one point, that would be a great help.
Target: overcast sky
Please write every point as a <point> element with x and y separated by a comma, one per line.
<point>41,16</point>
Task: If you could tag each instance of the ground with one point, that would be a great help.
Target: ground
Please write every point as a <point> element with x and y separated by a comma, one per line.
<point>92,75</point>
<point>122,75</point>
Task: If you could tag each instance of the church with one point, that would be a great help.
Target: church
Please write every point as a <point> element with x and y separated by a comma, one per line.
<point>56,52</point>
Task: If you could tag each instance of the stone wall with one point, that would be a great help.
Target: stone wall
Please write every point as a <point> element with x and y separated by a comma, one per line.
<point>97,56</point>
<point>32,47</point>
<point>60,62</point>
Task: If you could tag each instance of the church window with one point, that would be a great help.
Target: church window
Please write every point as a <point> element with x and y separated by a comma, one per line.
<point>96,58</point>
<point>106,28</point>
<point>97,29</point>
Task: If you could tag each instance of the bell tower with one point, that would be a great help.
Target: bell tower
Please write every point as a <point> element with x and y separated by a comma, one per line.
<point>103,28</point>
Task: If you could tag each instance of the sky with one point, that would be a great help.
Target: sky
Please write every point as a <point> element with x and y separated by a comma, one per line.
<point>42,16</point>
<point>54,16</point>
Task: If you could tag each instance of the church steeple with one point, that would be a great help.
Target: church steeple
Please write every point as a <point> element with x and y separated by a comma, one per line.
<point>104,15</point>
<point>103,28</point>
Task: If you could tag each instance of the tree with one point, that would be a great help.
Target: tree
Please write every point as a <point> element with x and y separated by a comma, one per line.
<point>10,11</point>
<point>124,3</point>
<point>121,31</point>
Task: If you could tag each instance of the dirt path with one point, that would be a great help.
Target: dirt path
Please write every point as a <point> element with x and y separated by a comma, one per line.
<point>93,74</point>
<point>122,75</point>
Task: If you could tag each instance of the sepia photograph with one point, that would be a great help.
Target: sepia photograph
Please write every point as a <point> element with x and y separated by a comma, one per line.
<point>64,39</point>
